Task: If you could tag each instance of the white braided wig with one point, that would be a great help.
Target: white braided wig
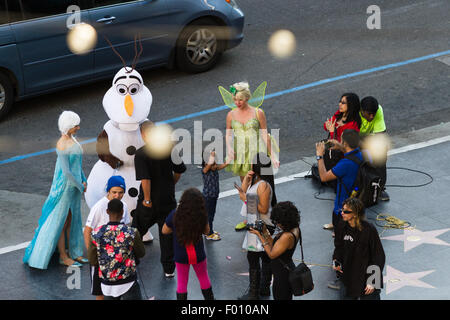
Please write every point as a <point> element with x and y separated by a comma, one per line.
<point>68,120</point>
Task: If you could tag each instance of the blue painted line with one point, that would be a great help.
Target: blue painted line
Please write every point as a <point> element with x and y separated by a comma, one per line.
<point>17,158</point>
<point>39,153</point>
<point>317,83</point>
<point>194,115</point>
<point>269,96</point>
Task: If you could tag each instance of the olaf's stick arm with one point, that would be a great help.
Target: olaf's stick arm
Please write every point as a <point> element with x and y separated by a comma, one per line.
<point>102,148</point>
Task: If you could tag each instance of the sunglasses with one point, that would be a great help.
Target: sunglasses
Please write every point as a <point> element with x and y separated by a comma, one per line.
<point>346,211</point>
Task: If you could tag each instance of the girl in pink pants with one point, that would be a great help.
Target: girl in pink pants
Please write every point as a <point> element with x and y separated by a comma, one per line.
<point>188,223</point>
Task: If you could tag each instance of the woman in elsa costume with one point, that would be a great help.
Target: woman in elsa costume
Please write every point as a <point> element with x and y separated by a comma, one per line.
<point>60,223</point>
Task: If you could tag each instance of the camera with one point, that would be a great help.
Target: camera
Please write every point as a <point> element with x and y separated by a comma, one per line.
<point>258,225</point>
<point>328,144</point>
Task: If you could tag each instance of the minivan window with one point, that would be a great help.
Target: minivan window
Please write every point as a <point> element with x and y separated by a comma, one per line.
<point>20,10</point>
<point>3,13</point>
<point>103,3</point>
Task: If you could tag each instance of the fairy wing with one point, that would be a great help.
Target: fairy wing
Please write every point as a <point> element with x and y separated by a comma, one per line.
<point>258,95</point>
<point>257,101</point>
<point>227,97</point>
<point>274,144</point>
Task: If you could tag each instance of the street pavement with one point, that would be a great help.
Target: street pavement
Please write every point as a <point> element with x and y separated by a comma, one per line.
<point>416,259</point>
<point>332,41</point>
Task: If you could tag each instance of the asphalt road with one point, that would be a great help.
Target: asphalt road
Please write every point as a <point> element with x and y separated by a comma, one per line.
<point>332,40</point>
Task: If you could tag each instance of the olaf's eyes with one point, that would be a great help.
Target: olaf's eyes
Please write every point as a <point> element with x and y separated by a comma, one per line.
<point>134,88</point>
<point>122,89</point>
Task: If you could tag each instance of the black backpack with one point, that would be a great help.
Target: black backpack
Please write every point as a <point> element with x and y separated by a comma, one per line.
<point>367,183</point>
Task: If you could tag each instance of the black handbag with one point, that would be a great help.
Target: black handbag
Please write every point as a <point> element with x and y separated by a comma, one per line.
<point>300,277</point>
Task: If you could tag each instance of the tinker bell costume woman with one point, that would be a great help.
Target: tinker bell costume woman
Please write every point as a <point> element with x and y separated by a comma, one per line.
<point>249,127</point>
<point>61,213</point>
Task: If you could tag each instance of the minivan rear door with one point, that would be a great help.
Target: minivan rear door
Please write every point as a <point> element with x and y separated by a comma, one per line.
<point>40,29</point>
<point>120,21</point>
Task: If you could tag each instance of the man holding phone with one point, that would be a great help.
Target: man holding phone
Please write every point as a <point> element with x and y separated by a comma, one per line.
<point>358,250</point>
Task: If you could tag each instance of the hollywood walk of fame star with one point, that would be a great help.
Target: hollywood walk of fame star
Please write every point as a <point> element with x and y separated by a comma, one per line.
<point>396,279</point>
<point>413,238</point>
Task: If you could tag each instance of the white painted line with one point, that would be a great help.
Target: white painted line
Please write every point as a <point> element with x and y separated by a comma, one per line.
<point>228,193</point>
<point>444,59</point>
<point>14,248</point>
<point>419,145</point>
<point>289,178</point>
<point>292,177</point>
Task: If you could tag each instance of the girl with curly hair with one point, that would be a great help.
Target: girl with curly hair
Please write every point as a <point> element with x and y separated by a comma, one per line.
<point>281,249</point>
<point>188,223</point>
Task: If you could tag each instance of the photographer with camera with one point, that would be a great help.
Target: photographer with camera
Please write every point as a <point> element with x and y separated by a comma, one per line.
<point>358,247</point>
<point>258,194</point>
<point>281,249</point>
<point>345,171</point>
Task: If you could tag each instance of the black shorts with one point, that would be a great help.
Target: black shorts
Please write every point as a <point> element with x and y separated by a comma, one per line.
<point>96,285</point>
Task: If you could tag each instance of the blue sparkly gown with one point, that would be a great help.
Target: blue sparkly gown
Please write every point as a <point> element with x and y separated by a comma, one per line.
<point>65,194</point>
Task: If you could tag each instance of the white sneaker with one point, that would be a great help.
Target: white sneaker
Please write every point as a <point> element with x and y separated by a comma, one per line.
<point>169,275</point>
<point>148,237</point>
<point>328,226</point>
<point>334,285</point>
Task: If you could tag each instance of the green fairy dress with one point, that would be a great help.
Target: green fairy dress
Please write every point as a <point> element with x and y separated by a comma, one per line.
<point>246,141</point>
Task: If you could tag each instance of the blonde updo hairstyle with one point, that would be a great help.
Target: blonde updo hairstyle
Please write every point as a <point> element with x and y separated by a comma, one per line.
<point>68,120</point>
<point>242,90</point>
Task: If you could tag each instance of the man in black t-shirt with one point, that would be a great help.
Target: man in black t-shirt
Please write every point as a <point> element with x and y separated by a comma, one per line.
<point>358,256</point>
<point>156,199</point>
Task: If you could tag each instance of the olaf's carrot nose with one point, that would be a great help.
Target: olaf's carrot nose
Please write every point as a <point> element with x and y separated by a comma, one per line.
<point>129,106</point>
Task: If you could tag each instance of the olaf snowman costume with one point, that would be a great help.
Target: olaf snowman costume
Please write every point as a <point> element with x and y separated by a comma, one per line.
<point>127,104</point>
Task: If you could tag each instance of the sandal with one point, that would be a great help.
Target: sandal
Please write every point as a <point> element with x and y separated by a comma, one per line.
<point>74,264</point>
<point>81,260</point>
<point>213,237</point>
<point>241,226</point>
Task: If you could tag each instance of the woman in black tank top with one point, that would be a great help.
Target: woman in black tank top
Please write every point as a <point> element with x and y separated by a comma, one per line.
<point>280,249</point>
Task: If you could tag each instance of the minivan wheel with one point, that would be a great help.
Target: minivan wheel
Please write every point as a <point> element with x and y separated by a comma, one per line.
<point>6,95</point>
<point>199,46</point>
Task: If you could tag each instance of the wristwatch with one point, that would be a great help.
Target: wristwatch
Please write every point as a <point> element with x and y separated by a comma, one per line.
<point>319,157</point>
<point>147,201</point>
